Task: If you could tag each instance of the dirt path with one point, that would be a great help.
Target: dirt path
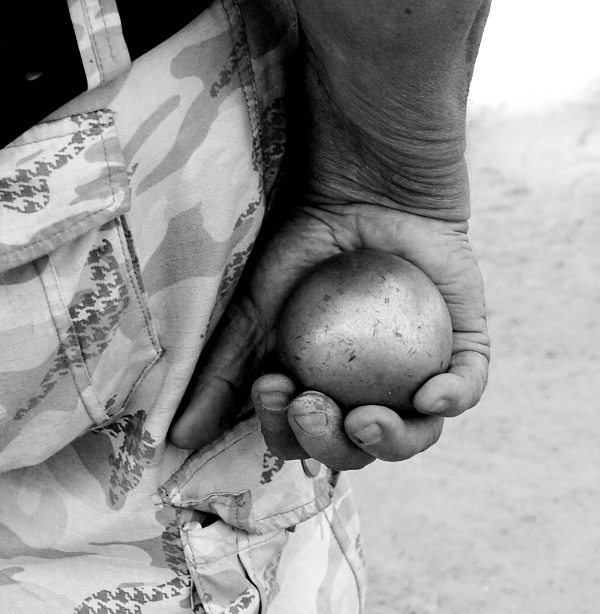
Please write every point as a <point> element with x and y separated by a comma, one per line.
<point>502,516</point>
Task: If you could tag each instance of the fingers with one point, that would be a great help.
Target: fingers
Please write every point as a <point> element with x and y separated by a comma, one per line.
<point>312,425</point>
<point>443,251</point>
<point>218,391</point>
<point>198,426</point>
<point>308,426</point>
<point>384,434</point>
<point>271,395</point>
<point>452,393</point>
<point>318,424</point>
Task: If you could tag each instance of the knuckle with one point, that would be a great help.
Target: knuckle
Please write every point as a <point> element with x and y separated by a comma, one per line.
<point>397,455</point>
<point>350,462</point>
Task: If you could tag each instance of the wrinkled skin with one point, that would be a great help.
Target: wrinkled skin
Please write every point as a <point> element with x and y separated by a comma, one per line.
<point>388,177</point>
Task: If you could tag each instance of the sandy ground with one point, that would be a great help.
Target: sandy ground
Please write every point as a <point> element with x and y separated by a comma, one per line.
<point>502,516</point>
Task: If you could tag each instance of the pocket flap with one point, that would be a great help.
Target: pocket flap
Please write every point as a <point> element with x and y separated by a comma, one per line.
<point>238,479</point>
<point>57,181</point>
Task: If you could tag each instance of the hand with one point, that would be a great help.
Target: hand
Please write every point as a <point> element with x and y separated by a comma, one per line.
<point>389,176</point>
<point>297,427</point>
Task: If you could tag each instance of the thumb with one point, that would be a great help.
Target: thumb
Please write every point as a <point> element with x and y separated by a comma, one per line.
<point>219,387</point>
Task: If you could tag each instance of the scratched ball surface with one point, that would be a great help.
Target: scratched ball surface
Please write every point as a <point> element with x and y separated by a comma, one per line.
<point>365,327</point>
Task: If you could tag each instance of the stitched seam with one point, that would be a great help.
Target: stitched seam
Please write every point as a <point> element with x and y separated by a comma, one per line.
<point>108,167</point>
<point>49,138</point>
<point>128,248</point>
<point>64,342</point>
<point>101,122</point>
<point>238,548</point>
<point>257,540</point>
<point>238,25</point>
<point>191,502</point>
<point>178,485</point>
<point>138,380</point>
<point>349,563</point>
<point>251,564</point>
<point>64,230</point>
<point>108,38</point>
<point>92,39</point>
<point>145,315</point>
<point>133,284</point>
<point>293,509</point>
<point>147,323</point>
<point>207,607</point>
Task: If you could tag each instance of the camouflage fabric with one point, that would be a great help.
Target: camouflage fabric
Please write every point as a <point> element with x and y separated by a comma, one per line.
<point>125,221</point>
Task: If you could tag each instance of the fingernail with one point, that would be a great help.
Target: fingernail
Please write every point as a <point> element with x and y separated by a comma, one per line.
<point>439,407</point>
<point>313,423</point>
<point>370,434</point>
<point>311,467</point>
<point>273,400</point>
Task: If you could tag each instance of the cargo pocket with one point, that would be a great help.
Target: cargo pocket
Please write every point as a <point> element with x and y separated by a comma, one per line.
<point>75,327</point>
<point>279,539</point>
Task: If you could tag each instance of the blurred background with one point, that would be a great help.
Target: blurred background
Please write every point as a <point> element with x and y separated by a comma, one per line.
<point>502,516</point>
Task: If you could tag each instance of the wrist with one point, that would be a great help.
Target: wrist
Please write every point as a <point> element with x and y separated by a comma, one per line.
<point>387,84</point>
<point>386,153</point>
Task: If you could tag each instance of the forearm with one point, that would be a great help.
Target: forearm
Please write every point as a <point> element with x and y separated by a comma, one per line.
<point>387,84</point>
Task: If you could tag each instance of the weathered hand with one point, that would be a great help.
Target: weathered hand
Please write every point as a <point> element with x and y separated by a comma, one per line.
<point>295,428</point>
<point>381,118</point>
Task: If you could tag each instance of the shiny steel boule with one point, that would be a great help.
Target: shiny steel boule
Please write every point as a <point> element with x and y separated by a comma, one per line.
<point>365,327</point>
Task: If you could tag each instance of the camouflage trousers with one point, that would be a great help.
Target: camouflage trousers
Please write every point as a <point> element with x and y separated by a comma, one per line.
<point>126,218</point>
